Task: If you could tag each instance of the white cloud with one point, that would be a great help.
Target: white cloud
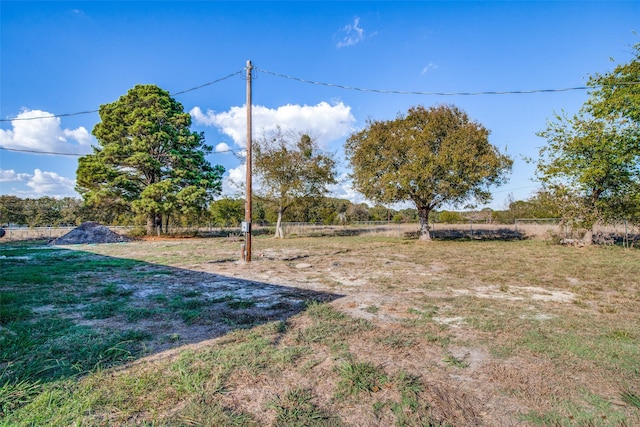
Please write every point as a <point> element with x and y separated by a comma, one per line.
<point>430,66</point>
<point>39,184</point>
<point>324,121</point>
<point>234,181</point>
<point>10,175</point>
<point>351,34</point>
<point>222,147</point>
<point>344,190</point>
<point>51,184</point>
<point>44,135</point>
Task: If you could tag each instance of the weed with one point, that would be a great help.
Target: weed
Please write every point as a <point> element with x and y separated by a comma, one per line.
<point>159,298</point>
<point>13,395</point>
<point>373,309</point>
<point>631,398</point>
<point>181,303</point>
<point>422,316</point>
<point>622,335</point>
<point>133,314</point>
<point>103,310</point>
<point>190,316</point>
<point>331,327</point>
<point>11,312</point>
<point>223,298</point>
<point>356,377</point>
<point>200,412</point>
<point>296,408</point>
<point>190,293</point>
<point>397,340</point>
<point>457,362</point>
<point>241,304</point>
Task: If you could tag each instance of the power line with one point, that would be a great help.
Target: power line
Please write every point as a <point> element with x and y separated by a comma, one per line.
<point>207,84</point>
<point>95,111</point>
<point>340,86</point>
<point>401,92</point>
<point>56,153</point>
<point>41,152</point>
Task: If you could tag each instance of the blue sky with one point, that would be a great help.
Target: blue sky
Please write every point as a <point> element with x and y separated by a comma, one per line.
<point>62,57</point>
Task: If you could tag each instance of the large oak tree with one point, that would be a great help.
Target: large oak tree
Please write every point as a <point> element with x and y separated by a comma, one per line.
<point>430,156</point>
<point>147,159</point>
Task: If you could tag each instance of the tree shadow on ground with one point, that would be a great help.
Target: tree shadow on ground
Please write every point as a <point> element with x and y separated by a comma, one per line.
<point>68,312</point>
<point>504,234</point>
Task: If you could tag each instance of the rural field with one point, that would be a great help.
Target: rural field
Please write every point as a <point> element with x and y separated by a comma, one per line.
<point>360,330</point>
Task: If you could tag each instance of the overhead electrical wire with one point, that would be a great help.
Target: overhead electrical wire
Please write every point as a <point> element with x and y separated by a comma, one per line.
<point>95,111</point>
<point>20,150</point>
<point>402,92</point>
<point>58,153</point>
<point>340,86</point>
<point>317,83</point>
<point>207,84</point>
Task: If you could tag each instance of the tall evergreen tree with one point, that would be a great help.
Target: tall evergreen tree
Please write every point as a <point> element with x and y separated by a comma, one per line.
<point>147,159</point>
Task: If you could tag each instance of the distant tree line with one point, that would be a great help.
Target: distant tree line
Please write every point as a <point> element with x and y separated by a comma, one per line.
<point>229,212</point>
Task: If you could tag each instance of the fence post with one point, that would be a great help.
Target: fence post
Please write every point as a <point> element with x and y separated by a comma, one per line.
<point>626,235</point>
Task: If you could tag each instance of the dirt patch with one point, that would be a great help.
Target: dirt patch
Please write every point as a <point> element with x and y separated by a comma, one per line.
<point>518,293</point>
<point>90,233</point>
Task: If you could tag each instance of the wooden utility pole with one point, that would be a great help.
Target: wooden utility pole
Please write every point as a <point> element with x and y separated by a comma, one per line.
<point>247,208</point>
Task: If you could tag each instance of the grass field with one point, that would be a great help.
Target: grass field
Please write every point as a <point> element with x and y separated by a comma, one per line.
<point>319,331</point>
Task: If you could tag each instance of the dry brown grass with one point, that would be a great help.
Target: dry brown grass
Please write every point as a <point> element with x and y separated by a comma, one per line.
<point>494,332</point>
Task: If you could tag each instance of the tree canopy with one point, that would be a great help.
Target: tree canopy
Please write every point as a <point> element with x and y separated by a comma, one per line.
<point>592,159</point>
<point>147,159</point>
<point>291,166</point>
<point>430,157</point>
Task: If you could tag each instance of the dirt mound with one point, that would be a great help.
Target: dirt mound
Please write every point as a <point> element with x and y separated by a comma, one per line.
<point>89,232</point>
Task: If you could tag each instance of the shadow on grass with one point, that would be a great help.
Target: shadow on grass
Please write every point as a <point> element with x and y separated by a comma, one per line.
<point>65,313</point>
<point>504,234</point>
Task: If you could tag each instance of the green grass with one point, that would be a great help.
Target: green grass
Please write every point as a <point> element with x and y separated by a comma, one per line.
<point>632,398</point>
<point>357,377</point>
<point>591,410</point>
<point>296,408</point>
<point>616,350</point>
<point>454,361</point>
<point>71,338</point>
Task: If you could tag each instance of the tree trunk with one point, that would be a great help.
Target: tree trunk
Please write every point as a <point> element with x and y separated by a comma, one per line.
<point>279,231</point>
<point>588,235</point>
<point>423,215</point>
<point>151,222</point>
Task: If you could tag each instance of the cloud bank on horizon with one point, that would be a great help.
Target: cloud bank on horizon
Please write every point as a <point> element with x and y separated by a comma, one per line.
<point>323,121</point>
<point>327,123</point>
<point>41,183</point>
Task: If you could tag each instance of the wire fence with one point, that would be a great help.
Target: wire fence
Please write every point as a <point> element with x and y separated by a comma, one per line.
<point>522,228</point>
